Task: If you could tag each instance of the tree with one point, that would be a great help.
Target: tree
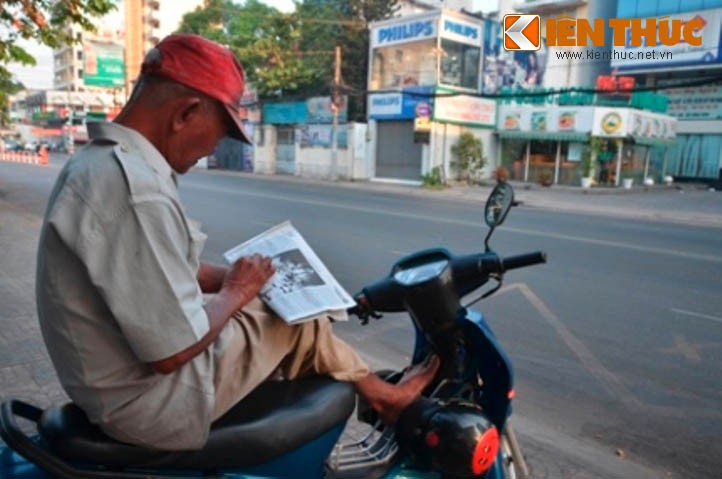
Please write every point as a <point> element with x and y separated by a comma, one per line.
<point>345,23</point>
<point>44,21</point>
<point>469,155</point>
<point>266,41</point>
<point>8,87</point>
<point>292,55</point>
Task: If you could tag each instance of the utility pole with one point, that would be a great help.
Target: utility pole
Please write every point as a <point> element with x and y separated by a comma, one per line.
<point>335,107</point>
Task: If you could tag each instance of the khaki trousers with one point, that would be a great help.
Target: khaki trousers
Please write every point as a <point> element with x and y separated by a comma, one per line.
<point>256,343</point>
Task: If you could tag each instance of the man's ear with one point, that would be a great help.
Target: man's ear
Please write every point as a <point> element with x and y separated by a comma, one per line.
<point>185,111</point>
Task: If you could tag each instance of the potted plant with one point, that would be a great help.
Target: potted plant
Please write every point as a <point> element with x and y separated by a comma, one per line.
<point>545,178</point>
<point>588,159</point>
<point>501,173</point>
<point>586,167</point>
<point>469,154</point>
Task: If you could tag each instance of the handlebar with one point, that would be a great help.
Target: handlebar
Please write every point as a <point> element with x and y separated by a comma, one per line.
<point>468,273</point>
<point>522,260</point>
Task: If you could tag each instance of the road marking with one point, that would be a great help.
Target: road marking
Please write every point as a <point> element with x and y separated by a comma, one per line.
<point>697,315</point>
<point>473,224</point>
<point>610,381</point>
<point>616,244</point>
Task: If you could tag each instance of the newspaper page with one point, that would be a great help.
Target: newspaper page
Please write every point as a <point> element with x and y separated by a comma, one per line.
<point>302,286</point>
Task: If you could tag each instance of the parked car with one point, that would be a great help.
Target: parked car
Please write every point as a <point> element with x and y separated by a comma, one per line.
<point>12,145</point>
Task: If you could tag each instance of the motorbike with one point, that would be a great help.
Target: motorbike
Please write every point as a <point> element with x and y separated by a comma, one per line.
<point>458,428</point>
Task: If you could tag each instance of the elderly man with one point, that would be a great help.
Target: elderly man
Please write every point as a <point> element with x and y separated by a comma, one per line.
<point>120,285</point>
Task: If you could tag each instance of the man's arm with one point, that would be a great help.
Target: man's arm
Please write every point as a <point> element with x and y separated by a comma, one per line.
<point>242,283</point>
<point>210,277</point>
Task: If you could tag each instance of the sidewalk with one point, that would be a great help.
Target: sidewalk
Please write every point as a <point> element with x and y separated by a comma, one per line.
<point>688,204</point>
<point>25,370</point>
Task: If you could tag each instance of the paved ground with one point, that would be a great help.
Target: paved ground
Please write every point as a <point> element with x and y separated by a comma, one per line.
<point>26,373</point>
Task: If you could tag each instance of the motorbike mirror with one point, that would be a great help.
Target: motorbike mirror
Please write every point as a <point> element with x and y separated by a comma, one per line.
<point>497,207</point>
<point>498,204</point>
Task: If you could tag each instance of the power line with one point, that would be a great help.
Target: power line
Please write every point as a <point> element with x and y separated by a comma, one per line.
<point>534,93</point>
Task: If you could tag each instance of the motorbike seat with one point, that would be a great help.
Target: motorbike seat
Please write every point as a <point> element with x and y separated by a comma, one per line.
<point>276,418</point>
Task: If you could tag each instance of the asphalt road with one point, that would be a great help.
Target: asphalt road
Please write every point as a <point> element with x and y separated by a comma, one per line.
<point>616,342</point>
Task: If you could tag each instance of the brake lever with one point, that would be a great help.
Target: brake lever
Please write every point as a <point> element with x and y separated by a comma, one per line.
<point>364,311</point>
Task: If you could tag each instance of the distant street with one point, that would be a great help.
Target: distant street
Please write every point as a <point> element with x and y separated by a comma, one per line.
<point>616,342</point>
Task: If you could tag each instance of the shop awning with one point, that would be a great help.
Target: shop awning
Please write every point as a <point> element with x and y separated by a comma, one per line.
<point>545,135</point>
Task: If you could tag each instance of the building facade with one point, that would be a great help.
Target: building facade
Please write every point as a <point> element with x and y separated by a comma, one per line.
<point>686,76</point>
<point>146,23</point>
<point>423,69</point>
<point>77,67</point>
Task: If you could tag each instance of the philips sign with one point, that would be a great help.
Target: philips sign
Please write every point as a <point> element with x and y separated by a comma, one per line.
<point>397,106</point>
<point>385,104</point>
<point>461,31</point>
<point>404,32</point>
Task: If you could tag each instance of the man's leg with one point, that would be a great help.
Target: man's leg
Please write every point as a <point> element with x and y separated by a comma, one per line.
<point>389,400</point>
<point>258,342</point>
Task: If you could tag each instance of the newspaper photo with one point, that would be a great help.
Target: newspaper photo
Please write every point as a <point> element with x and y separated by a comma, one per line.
<point>302,286</point>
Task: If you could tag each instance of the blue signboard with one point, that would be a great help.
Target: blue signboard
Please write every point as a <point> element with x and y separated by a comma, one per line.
<point>397,105</point>
<point>285,113</point>
<point>659,56</point>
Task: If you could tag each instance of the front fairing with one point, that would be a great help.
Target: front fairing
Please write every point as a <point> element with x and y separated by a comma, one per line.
<point>483,371</point>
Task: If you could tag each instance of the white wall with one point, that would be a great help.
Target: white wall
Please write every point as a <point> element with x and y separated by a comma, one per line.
<point>264,153</point>
<point>352,163</point>
<point>446,135</point>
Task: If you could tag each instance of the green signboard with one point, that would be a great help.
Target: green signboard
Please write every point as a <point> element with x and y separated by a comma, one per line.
<point>104,65</point>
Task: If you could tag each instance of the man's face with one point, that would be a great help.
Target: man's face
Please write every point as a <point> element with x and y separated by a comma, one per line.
<point>199,135</point>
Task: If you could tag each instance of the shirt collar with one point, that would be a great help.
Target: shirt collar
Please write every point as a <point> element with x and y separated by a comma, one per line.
<point>132,140</point>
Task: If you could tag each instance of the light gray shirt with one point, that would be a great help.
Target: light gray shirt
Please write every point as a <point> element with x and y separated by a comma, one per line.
<point>116,289</point>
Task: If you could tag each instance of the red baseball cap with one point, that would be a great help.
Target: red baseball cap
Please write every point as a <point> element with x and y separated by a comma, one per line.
<point>203,65</point>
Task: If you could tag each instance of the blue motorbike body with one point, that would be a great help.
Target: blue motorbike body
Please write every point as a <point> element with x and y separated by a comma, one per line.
<point>304,462</point>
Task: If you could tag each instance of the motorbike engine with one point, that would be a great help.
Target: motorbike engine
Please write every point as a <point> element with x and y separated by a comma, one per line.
<point>454,437</point>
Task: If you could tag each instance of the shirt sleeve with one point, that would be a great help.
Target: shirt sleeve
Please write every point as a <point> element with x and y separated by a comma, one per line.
<point>141,264</point>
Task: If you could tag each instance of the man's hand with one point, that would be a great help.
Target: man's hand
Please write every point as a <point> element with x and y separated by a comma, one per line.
<point>247,276</point>
<point>241,283</point>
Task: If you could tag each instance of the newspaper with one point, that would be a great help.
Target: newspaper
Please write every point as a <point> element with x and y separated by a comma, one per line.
<point>302,286</point>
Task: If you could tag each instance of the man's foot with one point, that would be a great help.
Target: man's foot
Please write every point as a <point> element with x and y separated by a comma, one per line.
<point>389,400</point>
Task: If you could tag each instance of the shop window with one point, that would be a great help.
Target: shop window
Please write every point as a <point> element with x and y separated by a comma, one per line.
<point>459,64</point>
<point>409,64</point>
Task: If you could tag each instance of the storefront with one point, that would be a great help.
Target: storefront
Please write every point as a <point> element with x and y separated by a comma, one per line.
<point>561,144</point>
<point>303,124</point>
<point>410,57</point>
<point>697,153</point>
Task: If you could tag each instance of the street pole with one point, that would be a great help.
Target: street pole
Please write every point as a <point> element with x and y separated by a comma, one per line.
<point>557,162</point>
<point>335,106</point>
<point>620,147</point>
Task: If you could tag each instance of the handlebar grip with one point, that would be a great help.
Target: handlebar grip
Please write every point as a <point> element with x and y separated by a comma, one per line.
<point>522,260</point>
